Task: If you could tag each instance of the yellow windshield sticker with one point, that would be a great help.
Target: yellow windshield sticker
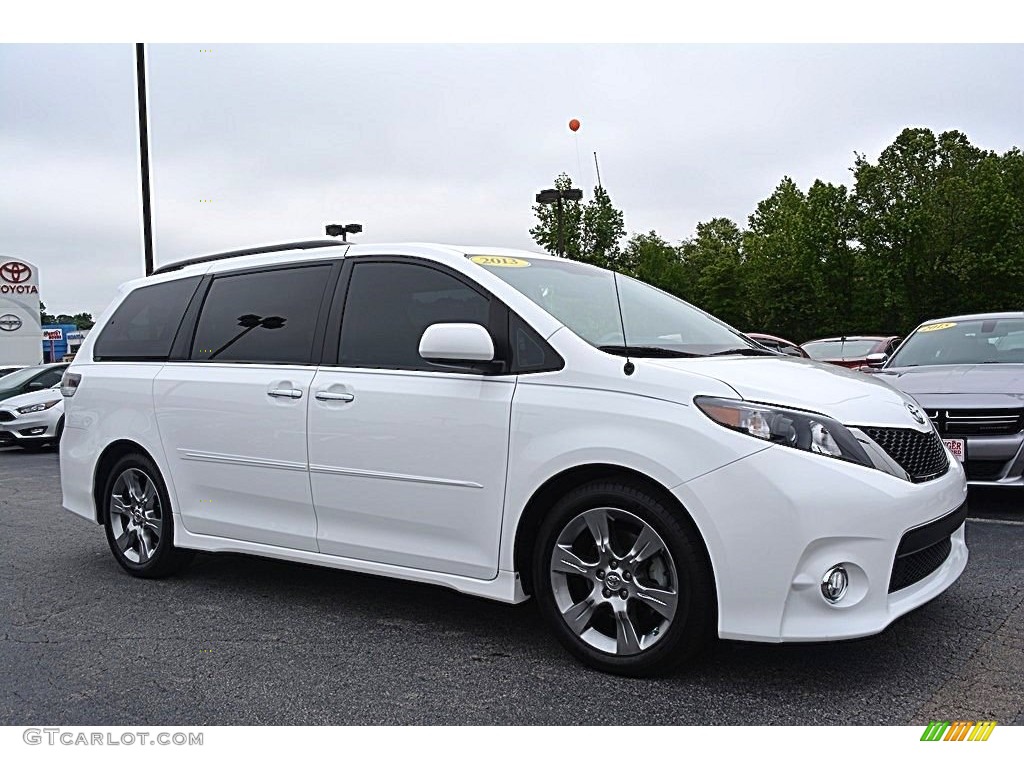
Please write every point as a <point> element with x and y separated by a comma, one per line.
<point>935,327</point>
<point>499,261</point>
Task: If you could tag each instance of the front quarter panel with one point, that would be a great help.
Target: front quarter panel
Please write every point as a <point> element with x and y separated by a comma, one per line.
<point>591,413</point>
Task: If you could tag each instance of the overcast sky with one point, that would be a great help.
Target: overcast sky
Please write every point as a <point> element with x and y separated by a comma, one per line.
<point>443,143</point>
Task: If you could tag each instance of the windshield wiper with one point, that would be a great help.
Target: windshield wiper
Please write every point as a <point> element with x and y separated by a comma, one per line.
<point>747,351</point>
<point>627,351</point>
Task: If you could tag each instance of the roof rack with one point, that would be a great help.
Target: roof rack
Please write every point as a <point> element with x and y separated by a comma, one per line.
<point>301,245</point>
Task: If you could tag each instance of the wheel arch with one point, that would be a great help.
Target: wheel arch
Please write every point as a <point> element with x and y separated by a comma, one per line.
<point>562,483</point>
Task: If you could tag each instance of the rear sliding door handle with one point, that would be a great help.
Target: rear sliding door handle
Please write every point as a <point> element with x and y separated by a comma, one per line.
<point>345,397</point>
<point>295,394</point>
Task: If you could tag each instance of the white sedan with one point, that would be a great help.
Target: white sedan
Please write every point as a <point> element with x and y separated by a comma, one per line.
<point>32,421</point>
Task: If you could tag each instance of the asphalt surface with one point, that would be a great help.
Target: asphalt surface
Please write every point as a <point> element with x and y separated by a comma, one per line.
<point>243,640</point>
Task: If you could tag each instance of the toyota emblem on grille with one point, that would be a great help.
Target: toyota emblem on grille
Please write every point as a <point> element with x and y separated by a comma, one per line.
<point>9,322</point>
<point>15,272</point>
<point>916,413</point>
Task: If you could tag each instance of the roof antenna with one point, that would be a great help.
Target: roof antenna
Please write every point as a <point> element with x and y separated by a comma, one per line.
<point>342,230</point>
<point>628,368</point>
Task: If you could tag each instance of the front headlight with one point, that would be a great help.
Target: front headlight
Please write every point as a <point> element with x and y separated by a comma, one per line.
<point>782,426</point>
<point>38,407</point>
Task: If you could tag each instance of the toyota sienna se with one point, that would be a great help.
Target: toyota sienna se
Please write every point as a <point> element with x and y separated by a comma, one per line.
<point>508,424</point>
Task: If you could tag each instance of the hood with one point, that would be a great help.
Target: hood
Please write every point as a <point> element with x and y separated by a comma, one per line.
<point>846,395</point>
<point>31,398</point>
<point>988,385</point>
<point>987,378</point>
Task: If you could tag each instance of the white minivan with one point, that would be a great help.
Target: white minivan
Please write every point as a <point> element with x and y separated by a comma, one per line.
<point>508,424</point>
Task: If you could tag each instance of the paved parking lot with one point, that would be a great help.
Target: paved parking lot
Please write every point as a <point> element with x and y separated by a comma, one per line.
<point>241,640</point>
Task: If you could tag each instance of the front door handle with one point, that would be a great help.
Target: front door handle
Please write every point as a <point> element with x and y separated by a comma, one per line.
<point>345,397</point>
<point>295,394</point>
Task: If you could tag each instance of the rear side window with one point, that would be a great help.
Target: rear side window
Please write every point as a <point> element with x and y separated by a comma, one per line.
<point>144,325</point>
<point>390,304</point>
<point>261,317</point>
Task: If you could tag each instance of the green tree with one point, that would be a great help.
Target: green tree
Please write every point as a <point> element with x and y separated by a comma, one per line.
<point>653,260</point>
<point>919,211</point>
<point>841,298</point>
<point>83,320</point>
<point>713,272</point>
<point>934,227</point>
<point>549,231</point>
<point>784,285</point>
<point>590,232</point>
<point>603,230</point>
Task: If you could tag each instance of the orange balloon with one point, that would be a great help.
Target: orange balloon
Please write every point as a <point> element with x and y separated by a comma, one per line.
<point>574,125</point>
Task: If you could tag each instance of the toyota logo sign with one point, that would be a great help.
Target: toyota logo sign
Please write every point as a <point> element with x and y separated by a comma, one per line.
<point>9,322</point>
<point>15,272</point>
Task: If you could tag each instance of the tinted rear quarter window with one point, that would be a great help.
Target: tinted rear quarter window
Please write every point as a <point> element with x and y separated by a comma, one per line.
<point>144,325</point>
<point>261,317</point>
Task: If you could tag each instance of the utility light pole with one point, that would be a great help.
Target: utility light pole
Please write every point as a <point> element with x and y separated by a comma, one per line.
<point>556,196</point>
<point>147,214</point>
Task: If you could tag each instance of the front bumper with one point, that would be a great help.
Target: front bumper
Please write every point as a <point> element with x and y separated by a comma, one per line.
<point>775,521</point>
<point>33,428</point>
<point>995,459</point>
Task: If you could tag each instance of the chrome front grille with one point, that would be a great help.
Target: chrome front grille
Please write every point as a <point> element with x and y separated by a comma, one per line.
<point>990,421</point>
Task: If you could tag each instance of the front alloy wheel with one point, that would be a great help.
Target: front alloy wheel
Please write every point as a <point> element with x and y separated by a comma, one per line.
<point>614,581</point>
<point>622,577</point>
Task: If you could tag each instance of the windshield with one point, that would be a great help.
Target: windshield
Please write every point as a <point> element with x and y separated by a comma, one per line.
<point>18,378</point>
<point>963,342</point>
<point>583,298</point>
<point>851,349</point>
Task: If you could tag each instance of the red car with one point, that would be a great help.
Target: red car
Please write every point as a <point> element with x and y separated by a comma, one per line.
<point>852,351</point>
<point>776,344</point>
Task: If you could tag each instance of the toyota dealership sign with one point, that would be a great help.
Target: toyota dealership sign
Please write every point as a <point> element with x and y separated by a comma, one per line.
<point>20,327</point>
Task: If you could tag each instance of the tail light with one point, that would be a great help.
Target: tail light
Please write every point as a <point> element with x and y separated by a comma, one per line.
<point>69,384</point>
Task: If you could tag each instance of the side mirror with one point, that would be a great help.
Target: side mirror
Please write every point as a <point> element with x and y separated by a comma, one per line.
<point>33,385</point>
<point>877,359</point>
<point>458,344</point>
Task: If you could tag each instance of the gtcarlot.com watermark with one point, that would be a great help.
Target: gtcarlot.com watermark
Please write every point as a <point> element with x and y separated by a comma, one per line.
<point>70,737</point>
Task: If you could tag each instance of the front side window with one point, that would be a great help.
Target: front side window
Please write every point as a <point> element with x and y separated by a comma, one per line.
<point>144,325</point>
<point>261,317</point>
<point>390,304</point>
<point>963,342</point>
<point>584,299</point>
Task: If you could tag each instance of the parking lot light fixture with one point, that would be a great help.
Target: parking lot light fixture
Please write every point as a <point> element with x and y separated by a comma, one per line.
<point>343,230</point>
<point>548,196</point>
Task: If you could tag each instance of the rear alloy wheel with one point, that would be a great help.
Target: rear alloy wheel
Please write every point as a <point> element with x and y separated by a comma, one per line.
<point>623,580</point>
<point>138,519</point>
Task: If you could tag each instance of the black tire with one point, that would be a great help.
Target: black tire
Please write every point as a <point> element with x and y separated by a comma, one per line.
<point>164,558</point>
<point>694,622</point>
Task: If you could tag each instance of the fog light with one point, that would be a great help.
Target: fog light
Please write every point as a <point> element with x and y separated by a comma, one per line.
<point>834,583</point>
<point>33,431</point>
